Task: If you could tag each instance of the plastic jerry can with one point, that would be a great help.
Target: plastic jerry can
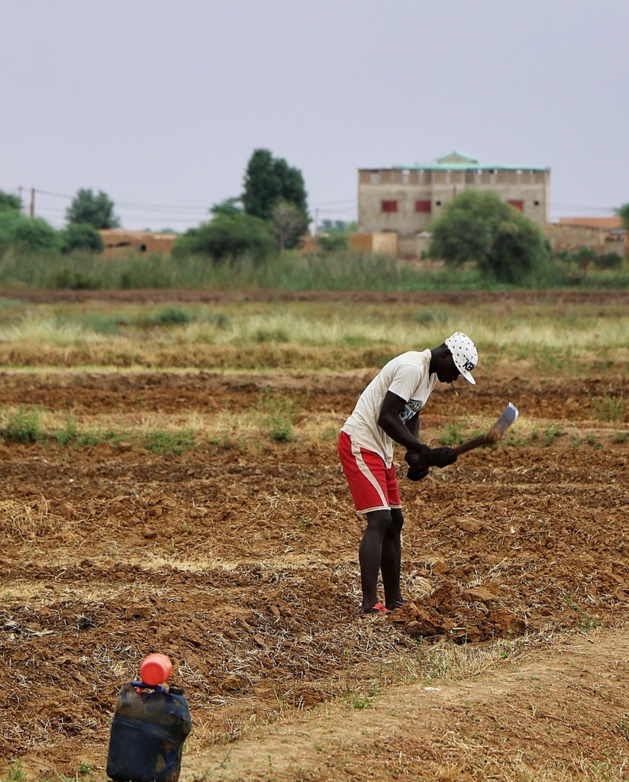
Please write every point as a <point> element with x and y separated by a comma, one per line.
<point>148,731</point>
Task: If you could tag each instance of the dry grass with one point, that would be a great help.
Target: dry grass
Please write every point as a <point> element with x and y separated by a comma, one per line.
<point>305,335</point>
<point>27,521</point>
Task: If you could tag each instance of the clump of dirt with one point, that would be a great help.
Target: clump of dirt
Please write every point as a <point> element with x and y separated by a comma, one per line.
<point>465,616</point>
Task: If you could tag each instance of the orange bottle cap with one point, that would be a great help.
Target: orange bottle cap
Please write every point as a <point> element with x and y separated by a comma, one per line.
<point>155,669</point>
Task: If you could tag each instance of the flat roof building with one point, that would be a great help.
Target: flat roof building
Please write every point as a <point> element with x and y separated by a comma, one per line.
<point>406,199</point>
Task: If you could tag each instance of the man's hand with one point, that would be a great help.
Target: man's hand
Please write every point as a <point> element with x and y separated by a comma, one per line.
<point>417,473</point>
<point>442,457</point>
<point>417,470</point>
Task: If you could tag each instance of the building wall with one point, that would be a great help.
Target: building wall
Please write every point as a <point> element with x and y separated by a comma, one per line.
<point>119,243</point>
<point>412,246</point>
<point>610,223</point>
<point>571,238</point>
<point>385,243</point>
<point>407,200</point>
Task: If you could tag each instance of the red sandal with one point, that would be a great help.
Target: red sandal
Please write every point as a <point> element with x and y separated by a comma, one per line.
<point>378,608</point>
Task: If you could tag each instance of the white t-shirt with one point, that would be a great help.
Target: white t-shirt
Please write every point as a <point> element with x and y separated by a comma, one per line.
<point>408,376</point>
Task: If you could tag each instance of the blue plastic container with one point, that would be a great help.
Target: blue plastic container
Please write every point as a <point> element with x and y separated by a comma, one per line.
<point>147,734</point>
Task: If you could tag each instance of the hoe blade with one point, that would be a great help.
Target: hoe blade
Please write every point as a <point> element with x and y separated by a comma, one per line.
<point>498,430</point>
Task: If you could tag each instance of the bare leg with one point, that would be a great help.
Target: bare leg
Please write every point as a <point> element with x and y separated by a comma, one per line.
<point>370,553</point>
<point>391,560</point>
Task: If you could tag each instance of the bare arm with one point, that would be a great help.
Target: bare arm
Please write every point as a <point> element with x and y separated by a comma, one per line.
<point>389,420</point>
<point>412,424</point>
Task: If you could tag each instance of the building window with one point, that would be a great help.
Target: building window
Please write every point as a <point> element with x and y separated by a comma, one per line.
<point>517,203</point>
<point>389,206</point>
<point>422,206</point>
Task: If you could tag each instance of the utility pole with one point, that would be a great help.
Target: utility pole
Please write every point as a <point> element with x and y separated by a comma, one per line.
<point>32,206</point>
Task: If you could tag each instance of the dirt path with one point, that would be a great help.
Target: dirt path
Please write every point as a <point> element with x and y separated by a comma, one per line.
<point>557,712</point>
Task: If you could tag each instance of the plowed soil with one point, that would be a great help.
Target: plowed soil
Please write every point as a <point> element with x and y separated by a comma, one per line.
<point>240,563</point>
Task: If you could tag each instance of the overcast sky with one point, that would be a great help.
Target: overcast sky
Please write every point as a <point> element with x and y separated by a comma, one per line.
<point>160,103</point>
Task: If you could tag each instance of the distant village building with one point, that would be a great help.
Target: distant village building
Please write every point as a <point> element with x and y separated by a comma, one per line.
<point>118,243</point>
<point>606,223</point>
<point>405,199</point>
<point>601,234</point>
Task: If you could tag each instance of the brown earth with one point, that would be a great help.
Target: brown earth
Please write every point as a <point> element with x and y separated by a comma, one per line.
<point>239,562</point>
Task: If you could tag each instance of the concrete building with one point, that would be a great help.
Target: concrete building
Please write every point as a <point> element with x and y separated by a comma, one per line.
<point>405,199</point>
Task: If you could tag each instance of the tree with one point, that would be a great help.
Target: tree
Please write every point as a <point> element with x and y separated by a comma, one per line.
<point>480,227</point>
<point>289,224</point>
<point>230,206</point>
<point>269,180</point>
<point>10,202</point>
<point>623,213</point>
<point>78,236</point>
<point>26,234</point>
<point>95,210</point>
<point>227,237</point>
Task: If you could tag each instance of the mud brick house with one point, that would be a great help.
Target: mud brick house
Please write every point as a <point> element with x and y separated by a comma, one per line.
<point>118,242</point>
<point>405,199</point>
<point>601,234</point>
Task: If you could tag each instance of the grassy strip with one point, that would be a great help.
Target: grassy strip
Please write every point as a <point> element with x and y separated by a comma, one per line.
<point>346,270</point>
<point>272,419</point>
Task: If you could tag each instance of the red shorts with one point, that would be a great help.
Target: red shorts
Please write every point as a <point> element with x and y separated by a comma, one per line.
<point>373,485</point>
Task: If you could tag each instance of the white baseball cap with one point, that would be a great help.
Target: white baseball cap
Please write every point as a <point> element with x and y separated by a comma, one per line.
<point>464,354</point>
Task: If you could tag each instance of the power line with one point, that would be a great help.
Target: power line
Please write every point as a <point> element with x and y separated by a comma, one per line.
<point>133,204</point>
<point>56,195</point>
<point>192,214</point>
<point>129,204</point>
<point>332,203</point>
<point>318,205</point>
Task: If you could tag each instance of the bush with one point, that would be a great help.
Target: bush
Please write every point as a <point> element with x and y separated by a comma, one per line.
<point>609,261</point>
<point>10,202</point>
<point>228,237</point>
<point>333,242</point>
<point>81,236</point>
<point>23,426</point>
<point>170,316</point>
<point>574,265</point>
<point>26,234</point>
<point>585,256</point>
<point>74,280</point>
<point>505,245</point>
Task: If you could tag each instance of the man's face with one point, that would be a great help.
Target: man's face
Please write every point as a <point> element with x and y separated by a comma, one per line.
<point>446,369</point>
